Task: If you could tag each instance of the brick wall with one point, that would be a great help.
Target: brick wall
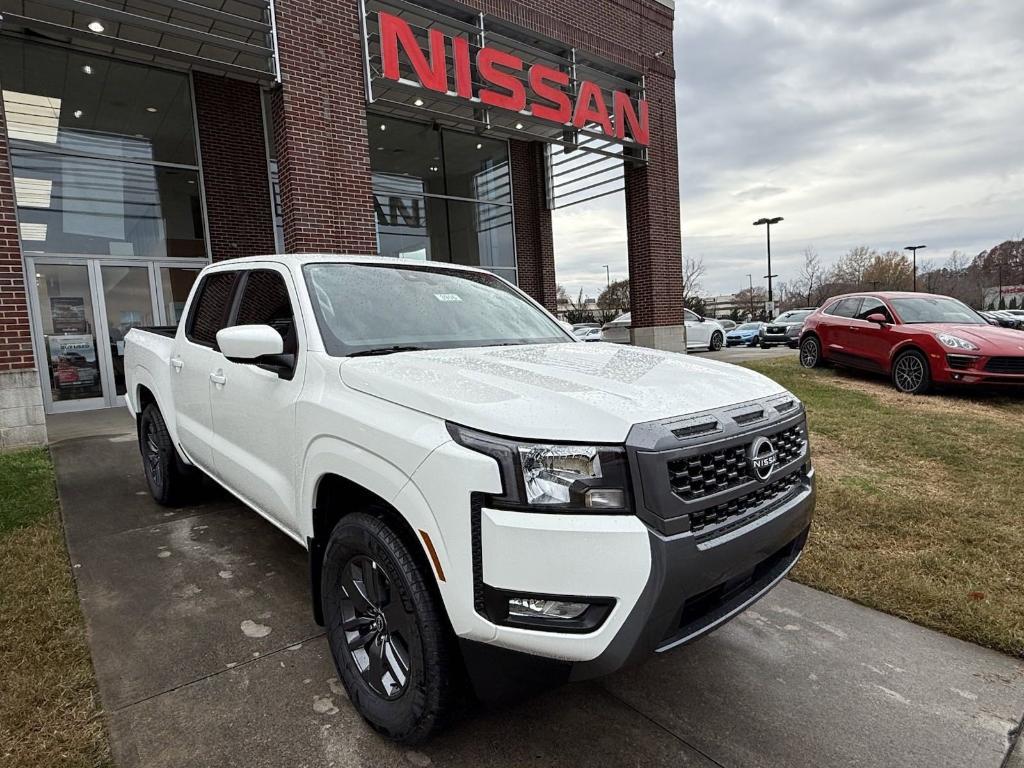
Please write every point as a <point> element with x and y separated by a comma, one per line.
<point>230,119</point>
<point>15,340</point>
<point>535,251</point>
<point>320,129</point>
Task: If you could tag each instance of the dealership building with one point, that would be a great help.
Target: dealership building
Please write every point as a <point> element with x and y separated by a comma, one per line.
<point>142,139</point>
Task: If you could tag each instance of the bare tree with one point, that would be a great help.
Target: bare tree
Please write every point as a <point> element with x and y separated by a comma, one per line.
<point>811,277</point>
<point>693,272</point>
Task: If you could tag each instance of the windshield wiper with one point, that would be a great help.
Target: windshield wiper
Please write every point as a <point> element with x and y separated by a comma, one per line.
<point>384,351</point>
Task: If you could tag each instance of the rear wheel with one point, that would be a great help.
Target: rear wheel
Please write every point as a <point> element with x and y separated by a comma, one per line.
<point>387,631</point>
<point>168,477</point>
<point>716,342</point>
<point>910,373</point>
<point>810,352</point>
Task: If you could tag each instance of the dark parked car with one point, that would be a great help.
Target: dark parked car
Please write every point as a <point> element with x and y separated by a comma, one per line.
<point>918,339</point>
<point>785,329</point>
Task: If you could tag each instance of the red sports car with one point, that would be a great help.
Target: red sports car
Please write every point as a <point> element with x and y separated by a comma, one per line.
<point>918,339</point>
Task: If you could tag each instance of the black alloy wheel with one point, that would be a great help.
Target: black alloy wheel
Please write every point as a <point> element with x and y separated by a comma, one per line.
<point>910,373</point>
<point>716,342</point>
<point>378,628</point>
<point>810,352</point>
<point>168,477</point>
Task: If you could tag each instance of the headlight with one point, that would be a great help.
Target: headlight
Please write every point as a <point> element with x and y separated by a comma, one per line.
<point>955,342</point>
<point>793,330</point>
<point>553,476</point>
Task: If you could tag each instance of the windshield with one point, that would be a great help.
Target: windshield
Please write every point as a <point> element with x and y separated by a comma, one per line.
<point>793,316</point>
<point>935,309</point>
<point>361,307</point>
<point>749,327</point>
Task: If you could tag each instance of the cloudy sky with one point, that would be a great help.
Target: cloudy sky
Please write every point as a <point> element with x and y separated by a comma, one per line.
<point>862,122</point>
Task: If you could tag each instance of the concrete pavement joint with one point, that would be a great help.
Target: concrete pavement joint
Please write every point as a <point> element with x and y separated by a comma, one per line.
<point>658,725</point>
<point>1014,738</point>
<point>201,678</point>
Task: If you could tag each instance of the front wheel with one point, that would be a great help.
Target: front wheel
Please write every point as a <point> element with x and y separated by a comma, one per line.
<point>763,345</point>
<point>386,630</point>
<point>910,373</point>
<point>716,342</point>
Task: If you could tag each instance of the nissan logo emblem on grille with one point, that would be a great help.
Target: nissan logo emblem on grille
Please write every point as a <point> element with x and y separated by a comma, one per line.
<point>762,457</point>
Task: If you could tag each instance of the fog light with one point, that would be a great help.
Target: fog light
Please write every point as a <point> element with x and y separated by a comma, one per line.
<point>531,608</point>
<point>605,498</point>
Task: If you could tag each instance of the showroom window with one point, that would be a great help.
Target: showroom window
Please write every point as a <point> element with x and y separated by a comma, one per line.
<point>442,195</point>
<point>103,153</point>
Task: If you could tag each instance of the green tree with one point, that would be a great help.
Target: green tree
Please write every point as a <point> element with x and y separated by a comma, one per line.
<point>615,297</point>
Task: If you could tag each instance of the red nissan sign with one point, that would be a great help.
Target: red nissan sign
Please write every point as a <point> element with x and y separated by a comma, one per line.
<point>545,98</point>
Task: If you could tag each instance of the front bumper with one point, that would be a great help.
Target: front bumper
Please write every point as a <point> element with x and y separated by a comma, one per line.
<point>967,368</point>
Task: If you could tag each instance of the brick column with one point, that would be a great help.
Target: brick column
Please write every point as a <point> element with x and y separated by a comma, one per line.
<point>535,250</point>
<point>320,129</point>
<point>238,212</point>
<point>21,403</point>
<point>654,241</point>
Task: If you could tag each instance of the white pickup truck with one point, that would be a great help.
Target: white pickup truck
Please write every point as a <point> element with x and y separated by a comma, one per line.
<point>476,490</point>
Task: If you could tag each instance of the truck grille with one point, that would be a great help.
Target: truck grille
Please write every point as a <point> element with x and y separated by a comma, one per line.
<point>1005,365</point>
<point>739,509</point>
<point>694,477</point>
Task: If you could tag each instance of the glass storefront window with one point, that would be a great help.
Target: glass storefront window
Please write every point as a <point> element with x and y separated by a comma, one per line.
<point>65,307</point>
<point>56,99</point>
<point>76,205</point>
<point>176,284</point>
<point>442,195</point>
<point>128,303</point>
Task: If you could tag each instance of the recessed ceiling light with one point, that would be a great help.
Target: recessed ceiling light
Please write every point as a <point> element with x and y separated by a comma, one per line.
<point>191,181</point>
<point>78,113</point>
<point>418,102</point>
<point>151,109</point>
<point>479,146</point>
<point>519,126</point>
<point>95,26</point>
<point>87,69</point>
<point>433,168</point>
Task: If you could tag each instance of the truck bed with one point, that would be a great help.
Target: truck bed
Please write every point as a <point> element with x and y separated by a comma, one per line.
<point>160,330</point>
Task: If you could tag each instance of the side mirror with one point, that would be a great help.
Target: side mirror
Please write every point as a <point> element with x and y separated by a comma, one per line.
<point>701,318</point>
<point>246,343</point>
<point>877,317</point>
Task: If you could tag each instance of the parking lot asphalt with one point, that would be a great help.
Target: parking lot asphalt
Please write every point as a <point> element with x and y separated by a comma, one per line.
<point>206,654</point>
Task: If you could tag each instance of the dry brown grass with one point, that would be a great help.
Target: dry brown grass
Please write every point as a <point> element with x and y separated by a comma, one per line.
<point>919,512</point>
<point>49,713</point>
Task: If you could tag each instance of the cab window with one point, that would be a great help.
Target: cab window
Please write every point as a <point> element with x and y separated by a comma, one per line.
<point>265,302</point>
<point>209,312</point>
<point>844,308</point>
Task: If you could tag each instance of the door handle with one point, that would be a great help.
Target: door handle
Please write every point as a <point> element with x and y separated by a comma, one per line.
<point>177,363</point>
<point>218,378</point>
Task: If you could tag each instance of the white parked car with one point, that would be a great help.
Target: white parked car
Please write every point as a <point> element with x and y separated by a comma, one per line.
<point>475,490</point>
<point>703,332</point>
<point>589,334</point>
<point>617,331</point>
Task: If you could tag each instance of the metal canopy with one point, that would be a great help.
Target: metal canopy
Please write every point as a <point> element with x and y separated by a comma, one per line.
<point>231,37</point>
<point>569,149</point>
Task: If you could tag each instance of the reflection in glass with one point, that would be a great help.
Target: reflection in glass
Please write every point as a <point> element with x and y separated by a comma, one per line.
<point>75,205</point>
<point>410,226</point>
<point>75,101</point>
<point>481,235</point>
<point>476,167</point>
<point>129,304</point>
<point>65,306</point>
<point>177,284</point>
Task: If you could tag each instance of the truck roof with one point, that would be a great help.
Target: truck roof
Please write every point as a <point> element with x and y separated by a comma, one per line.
<point>298,259</point>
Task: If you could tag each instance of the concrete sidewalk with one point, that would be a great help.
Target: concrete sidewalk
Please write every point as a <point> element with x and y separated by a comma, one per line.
<point>207,655</point>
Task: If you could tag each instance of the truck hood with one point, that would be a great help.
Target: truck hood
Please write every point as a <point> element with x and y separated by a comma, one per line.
<point>587,392</point>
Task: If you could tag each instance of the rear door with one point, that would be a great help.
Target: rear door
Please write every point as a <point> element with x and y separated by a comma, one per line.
<point>193,357</point>
<point>254,449</point>
<point>873,342</point>
<point>836,336</point>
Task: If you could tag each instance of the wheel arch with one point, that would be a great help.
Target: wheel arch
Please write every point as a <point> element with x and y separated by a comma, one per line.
<point>908,346</point>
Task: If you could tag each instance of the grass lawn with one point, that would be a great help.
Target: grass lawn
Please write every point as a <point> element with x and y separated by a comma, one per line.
<point>920,505</point>
<point>49,713</point>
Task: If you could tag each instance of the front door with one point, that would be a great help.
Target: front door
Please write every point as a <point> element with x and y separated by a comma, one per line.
<point>82,308</point>
<point>698,331</point>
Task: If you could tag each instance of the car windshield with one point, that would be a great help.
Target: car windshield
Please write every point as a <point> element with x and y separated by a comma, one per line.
<point>749,327</point>
<point>380,308</point>
<point>935,309</point>
<point>793,316</point>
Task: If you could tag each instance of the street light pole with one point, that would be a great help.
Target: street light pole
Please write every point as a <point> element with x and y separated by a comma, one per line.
<point>914,249</point>
<point>768,237</point>
<point>608,276</point>
<point>750,279</point>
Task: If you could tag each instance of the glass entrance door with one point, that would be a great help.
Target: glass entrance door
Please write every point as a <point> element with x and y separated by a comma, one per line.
<point>81,311</point>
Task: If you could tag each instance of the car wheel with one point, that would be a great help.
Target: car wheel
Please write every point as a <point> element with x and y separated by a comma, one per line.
<point>168,477</point>
<point>763,345</point>
<point>910,373</point>
<point>810,352</point>
<point>716,342</point>
<point>387,631</point>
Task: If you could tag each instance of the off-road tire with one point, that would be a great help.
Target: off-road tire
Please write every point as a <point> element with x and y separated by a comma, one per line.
<point>170,480</point>
<point>411,714</point>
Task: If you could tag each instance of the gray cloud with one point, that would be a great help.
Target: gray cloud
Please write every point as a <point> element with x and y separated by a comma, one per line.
<point>860,121</point>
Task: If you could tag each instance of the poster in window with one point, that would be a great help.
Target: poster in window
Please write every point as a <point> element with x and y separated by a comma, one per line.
<point>68,314</point>
<point>73,361</point>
